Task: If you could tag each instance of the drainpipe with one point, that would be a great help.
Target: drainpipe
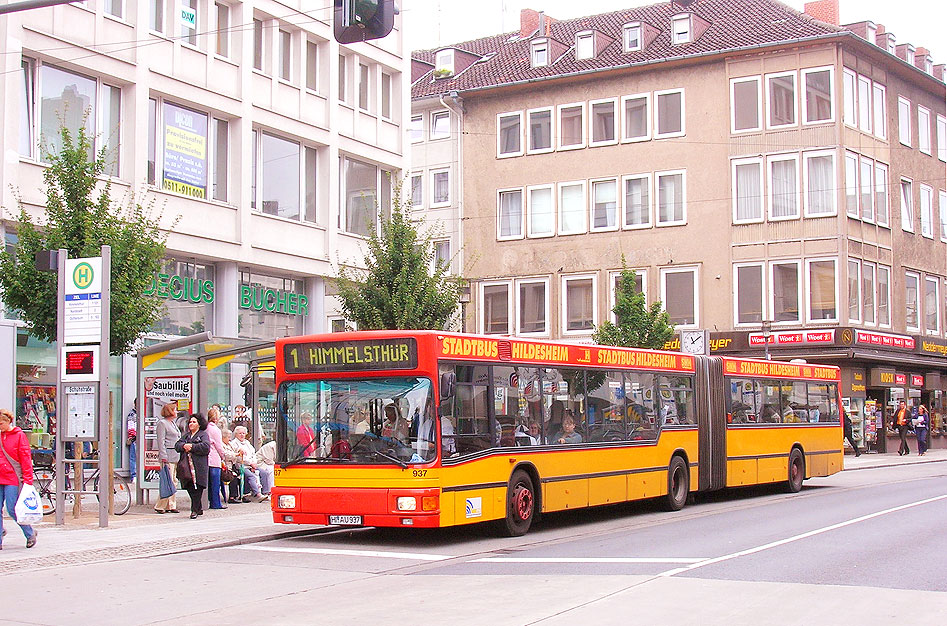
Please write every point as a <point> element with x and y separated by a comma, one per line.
<point>457,108</point>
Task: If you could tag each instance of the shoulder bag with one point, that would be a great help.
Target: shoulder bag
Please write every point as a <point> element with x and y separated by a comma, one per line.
<point>226,474</point>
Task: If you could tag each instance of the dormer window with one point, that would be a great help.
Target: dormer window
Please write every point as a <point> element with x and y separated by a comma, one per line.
<point>891,43</point>
<point>870,31</point>
<point>540,53</point>
<point>681,31</point>
<point>444,63</point>
<point>929,66</point>
<point>909,54</point>
<point>632,36</point>
<point>584,46</point>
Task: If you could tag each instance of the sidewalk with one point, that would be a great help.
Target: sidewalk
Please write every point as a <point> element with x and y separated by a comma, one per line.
<point>869,460</point>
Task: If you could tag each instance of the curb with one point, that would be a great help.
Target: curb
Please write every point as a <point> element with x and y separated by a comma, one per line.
<point>895,464</point>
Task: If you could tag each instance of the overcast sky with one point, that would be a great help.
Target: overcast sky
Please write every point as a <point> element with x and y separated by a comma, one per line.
<point>431,23</point>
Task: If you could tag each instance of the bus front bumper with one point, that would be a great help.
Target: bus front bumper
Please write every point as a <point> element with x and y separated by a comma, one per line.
<point>356,507</point>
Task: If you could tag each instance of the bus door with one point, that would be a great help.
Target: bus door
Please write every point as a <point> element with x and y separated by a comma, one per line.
<point>711,424</point>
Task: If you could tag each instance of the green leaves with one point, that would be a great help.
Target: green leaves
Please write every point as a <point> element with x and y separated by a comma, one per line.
<point>81,217</point>
<point>639,326</point>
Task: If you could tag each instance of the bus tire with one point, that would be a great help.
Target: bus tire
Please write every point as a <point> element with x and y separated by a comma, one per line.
<point>678,484</point>
<point>797,471</point>
<point>520,504</point>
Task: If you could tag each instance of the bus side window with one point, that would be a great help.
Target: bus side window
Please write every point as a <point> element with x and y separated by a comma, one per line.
<point>472,427</point>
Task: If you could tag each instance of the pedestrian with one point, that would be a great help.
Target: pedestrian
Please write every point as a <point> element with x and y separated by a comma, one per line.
<point>214,459</point>
<point>901,420</point>
<point>194,446</point>
<point>849,434</point>
<point>167,436</point>
<point>131,439</point>
<point>16,469</point>
<point>922,424</point>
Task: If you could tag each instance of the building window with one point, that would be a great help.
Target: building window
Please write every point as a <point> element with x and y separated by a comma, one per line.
<point>604,204</point>
<point>532,302</point>
<point>781,99</point>
<point>440,192</point>
<point>854,292</point>
<point>572,208</point>
<point>822,290</point>
<point>496,309</point>
<point>156,15</point>
<point>361,197</point>
<point>868,292</point>
<point>364,87</point>
<point>748,293</point>
<point>881,194</point>
<point>540,130</point>
<point>444,62</point>
<point>343,79</point>
<point>672,197</point>
<point>669,113</point>
<point>416,129</point>
<point>631,35</point>
<point>849,103</point>
<point>745,104</point>
<point>923,130</point>
<point>510,214</point>
<point>783,187</point>
<point>539,53</point>
<point>679,295</point>
<point>509,134</point>
<point>152,141</point>
<point>440,125</point>
<point>864,104</point>
<point>909,54</point>
<point>942,138</point>
<point>417,190</point>
<point>602,122</point>
<point>880,110</point>
<point>747,177</point>
<point>27,107</point>
<point>927,211</point>
<point>904,121</point>
<point>541,215</point>
<point>312,66</point>
<point>221,142</point>
<point>851,184</point>
<point>820,183</point>
<point>907,205</point>
<point>931,305</point>
<point>584,46</point>
<point>571,126</point>
<point>386,97</point>
<point>867,189</point>
<point>636,121</point>
<point>942,206</point>
<point>579,305</point>
<point>912,303</point>
<point>258,44</point>
<point>189,21</point>
<point>223,30</point>
<point>884,295</point>
<point>637,203</point>
<point>680,29</point>
<point>785,292</point>
<point>442,255</point>
<point>185,162</point>
<point>285,55</point>
<point>285,181</point>
<point>818,100</point>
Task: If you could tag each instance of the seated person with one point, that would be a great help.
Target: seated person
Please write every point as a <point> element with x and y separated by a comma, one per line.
<point>362,425</point>
<point>527,436</point>
<point>341,448</point>
<point>394,426</point>
<point>265,463</point>
<point>568,434</point>
<point>247,459</point>
<point>789,415</point>
<point>448,441</point>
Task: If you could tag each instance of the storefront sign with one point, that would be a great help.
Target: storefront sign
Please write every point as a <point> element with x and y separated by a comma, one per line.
<point>854,382</point>
<point>884,340</point>
<point>185,288</point>
<point>273,300</point>
<point>917,381</point>
<point>936,347</point>
<point>900,379</point>
<point>881,377</point>
<point>185,151</point>
<point>932,381</point>
<point>792,338</point>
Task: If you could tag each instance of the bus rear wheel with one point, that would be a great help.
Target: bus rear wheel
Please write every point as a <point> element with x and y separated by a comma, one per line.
<point>678,484</point>
<point>797,471</point>
<point>520,504</point>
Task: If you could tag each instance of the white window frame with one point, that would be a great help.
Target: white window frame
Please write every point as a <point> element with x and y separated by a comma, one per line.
<point>444,61</point>
<point>869,268</point>
<point>808,288</point>
<point>681,36</point>
<point>613,278</point>
<point>222,37</point>
<point>773,158</point>
<point>858,291</point>
<point>932,280</point>
<point>734,163</point>
<point>649,208</point>
<point>585,35</point>
<point>518,305</point>
<point>924,129</point>
<point>771,284</point>
<point>564,304</point>
<point>805,101</point>
<point>552,123</point>
<point>881,184</point>
<point>942,208</point>
<point>434,256</point>
<point>624,36</point>
<point>420,136</point>
<point>759,104</point>
<point>657,122</point>
<point>795,100</point>
<point>657,199</point>
<point>481,308</point>
<point>941,133</point>
<point>926,210</point>
<point>285,66</point>
<point>418,175</point>
<point>682,269</point>
<point>904,121</point>
<point>851,186</point>
<point>537,47</point>
<point>618,204</point>
<point>559,205</point>
<point>647,117</point>
<point>432,116</point>
<point>883,269</point>
<point>907,208</point>
<point>879,103</point>
<point>849,98</point>
<point>522,232</point>
<point>805,174</point>
<point>433,176</point>
<point>501,116</point>
<point>862,163</point>
<point>529,211</point>
<point>615,122</point>
<point>865,113</point>
<point>736,293</point>
<point>386,108</point>
<point>917,301</point>
<point>582,125</point>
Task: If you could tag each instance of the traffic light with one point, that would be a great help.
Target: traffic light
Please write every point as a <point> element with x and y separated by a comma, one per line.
<point>361,20</point>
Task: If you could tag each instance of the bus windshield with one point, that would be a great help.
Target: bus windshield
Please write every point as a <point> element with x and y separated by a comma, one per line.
<point>356,421</point>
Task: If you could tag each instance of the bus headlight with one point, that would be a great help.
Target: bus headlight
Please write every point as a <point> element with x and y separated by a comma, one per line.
<point>407,503</point>
<point>287,502</point>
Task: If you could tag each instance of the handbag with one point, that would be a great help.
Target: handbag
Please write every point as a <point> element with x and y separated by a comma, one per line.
<point>184,468</point>
<point>226,474</point>
<point>165,485</point>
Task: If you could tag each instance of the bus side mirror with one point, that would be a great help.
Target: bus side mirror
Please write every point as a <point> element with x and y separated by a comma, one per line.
<point>448,380</point>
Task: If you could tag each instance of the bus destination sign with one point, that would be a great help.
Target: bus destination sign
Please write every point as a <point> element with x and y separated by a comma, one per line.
<point>399,353</point>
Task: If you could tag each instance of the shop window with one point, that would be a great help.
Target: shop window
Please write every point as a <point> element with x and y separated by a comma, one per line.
<point>188,290</point>
<point>495,308</point>
<point>748,293</point>
<point>271,306</point>
<point>679,295</point>
<point>745,104</point>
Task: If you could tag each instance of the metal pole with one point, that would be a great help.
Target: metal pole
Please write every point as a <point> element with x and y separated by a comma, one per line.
<point>61,410</point>
<point>105,450</point>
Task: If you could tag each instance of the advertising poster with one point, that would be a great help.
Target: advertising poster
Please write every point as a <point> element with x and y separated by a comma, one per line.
<point>158,389</point>
<point>185,152</point>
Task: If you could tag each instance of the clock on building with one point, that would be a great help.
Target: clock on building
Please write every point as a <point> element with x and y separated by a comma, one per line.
<point>695,342</point>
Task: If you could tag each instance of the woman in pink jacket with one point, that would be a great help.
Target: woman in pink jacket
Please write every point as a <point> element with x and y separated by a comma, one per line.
<point>16,468</point>
<point>214,458</point>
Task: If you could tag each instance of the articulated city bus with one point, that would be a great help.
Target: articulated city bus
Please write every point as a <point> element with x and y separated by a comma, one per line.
<point>431,429</point>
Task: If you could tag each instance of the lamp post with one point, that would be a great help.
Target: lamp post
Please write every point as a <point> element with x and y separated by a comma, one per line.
<point>464,299</point>
<point>766,327</point>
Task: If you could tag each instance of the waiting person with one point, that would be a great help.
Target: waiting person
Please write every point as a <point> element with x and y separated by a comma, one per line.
<point>16,469</point>
<point>232,461</point>
<point>214,459</point>
<point>131,439</point>
<point>849,434</point>
<point>167,436</point>
<point>194,446</point>
<point>568,434</point>
<point>901,418</point>
<point>922,424</point>
<point>266,464</point>
<point>251,476</point>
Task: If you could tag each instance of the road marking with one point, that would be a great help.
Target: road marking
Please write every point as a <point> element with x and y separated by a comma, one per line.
<point>413,556</point>
<point>619,559</point>
<point>806,535</point>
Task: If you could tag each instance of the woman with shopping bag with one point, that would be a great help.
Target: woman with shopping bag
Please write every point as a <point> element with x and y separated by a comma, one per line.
<point>16,470</point>
<point>193,448</point>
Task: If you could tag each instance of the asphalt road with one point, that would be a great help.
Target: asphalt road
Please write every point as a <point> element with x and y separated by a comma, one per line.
<point>864,547</point>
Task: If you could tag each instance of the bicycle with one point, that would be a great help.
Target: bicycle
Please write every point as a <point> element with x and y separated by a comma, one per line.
<point>44,480</point>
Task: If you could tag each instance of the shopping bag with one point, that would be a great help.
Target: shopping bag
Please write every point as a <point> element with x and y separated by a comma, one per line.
<point>165,486</point>
<point>28,508</point>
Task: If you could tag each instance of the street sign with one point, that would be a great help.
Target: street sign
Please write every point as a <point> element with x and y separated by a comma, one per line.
<point>83,301</point>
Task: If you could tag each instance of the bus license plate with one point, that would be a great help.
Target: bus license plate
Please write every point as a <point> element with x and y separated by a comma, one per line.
<point>346,520</point>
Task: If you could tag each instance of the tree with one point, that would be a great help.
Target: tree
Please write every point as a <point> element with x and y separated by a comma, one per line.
<point>397,289</point>
<point>638,325</point>
<point>80,217</point>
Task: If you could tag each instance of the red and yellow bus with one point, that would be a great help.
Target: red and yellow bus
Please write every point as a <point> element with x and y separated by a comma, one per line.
<point>431,429</point>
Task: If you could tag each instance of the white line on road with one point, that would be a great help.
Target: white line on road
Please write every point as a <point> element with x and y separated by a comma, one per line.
<point>596,560</point>
<point>805,535</point>
<point>413,556</point>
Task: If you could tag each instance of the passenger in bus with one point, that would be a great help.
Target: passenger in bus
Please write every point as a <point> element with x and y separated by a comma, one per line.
<point>362,424</point>
<point>568,434</point>
<point>448,441</point>
<point>770,414</point>
<point>305,435</point>
<point>395,426</point>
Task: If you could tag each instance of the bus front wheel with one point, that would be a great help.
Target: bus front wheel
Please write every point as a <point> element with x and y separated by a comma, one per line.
<point>520,504</point>
<point>678,484</point>
<point>797,471</point>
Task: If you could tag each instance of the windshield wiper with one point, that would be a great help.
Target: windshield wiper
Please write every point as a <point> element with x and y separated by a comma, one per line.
<point>393,459</point>
<point>303,460</point>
